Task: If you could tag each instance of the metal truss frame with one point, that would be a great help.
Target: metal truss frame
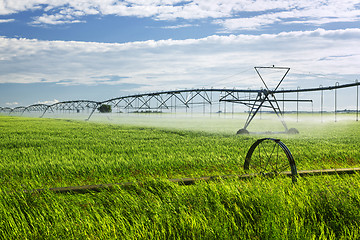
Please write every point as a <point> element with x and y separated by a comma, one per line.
<point>187,98</point>
<point>267,95</point>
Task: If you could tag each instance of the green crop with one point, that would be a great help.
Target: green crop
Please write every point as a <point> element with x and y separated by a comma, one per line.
<point>44,153</point>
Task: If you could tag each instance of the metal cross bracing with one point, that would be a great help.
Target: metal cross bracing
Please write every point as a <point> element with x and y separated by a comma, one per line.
<point>6,109</point>
<point>266,95</point>
<point>163,100</point>
<point>266,98</point>
<point>72,106</point>
<point>66,106</point>
<point>35,108</point>
<point>18,110</point>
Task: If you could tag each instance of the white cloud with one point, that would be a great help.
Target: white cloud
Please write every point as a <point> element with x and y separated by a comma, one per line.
<point>55,19</point>
<point>232,15</point>
<point>180,26</point>
<point>49,102</point>
<point>171,64</point>
<point>317,13</point>
<point>6,20</point>
<point>252,23</point>
<point>11,103</point>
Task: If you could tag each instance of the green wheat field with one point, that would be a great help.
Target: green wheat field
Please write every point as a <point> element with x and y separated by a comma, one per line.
<point>40,153</point>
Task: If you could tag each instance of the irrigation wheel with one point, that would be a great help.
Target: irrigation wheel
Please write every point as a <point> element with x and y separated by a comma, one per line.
<point>269,156</point>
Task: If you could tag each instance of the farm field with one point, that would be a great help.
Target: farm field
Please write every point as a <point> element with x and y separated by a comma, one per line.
<point>43,153</point>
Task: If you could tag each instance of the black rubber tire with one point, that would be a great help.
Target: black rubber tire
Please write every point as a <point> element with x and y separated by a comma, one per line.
<point>293,131</point>
<point>242,131</point>
<point>291,162</point>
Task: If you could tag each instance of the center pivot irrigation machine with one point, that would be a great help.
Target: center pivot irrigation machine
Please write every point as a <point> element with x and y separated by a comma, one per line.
<point>178,100</point>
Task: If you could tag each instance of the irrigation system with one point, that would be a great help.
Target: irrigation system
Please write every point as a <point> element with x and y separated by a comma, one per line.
<point>266,156</point>
<point>187,99</point>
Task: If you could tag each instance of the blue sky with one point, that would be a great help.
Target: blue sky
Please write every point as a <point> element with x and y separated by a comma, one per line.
<point>57,50</point>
